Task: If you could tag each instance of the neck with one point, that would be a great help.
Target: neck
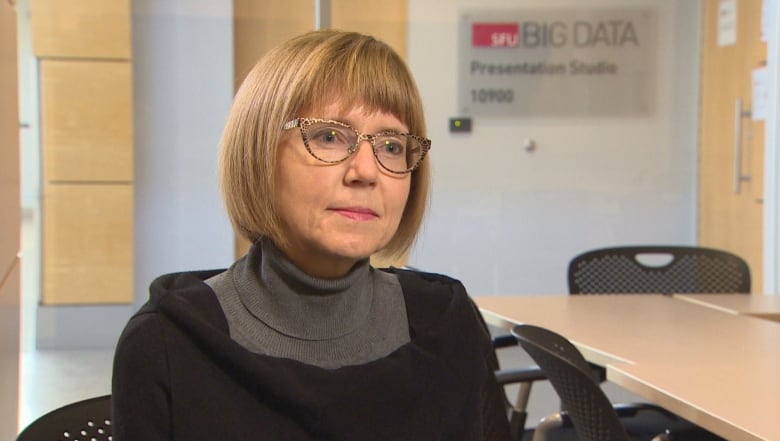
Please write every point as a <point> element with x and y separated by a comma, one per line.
<point>321,266</point>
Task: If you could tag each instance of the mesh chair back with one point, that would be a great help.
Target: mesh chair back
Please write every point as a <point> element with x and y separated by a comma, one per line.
<point>87,420</point>
<point>581,397</point>
<point>684,270</point>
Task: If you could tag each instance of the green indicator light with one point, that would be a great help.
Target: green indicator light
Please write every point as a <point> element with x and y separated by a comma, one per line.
<point>460,125</point>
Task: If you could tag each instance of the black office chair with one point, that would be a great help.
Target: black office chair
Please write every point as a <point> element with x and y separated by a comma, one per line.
<point>584,404</point>
<point>524,377</point>
<point>86,420</point>
<point>658,269</point>
<point>582,400</point>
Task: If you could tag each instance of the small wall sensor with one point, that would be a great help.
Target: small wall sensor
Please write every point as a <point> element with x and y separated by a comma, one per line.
<point>460,125</point>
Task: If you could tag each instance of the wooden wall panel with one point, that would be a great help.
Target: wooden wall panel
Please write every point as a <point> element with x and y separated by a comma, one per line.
<point>81,28</point>
<point>9,142</point>
<point>10,225</point>
<point>386,20</point>
<point>10,324</point>
<point>84,53</point>
<point>86,120</point>
<point>259,26</point>
<point>87,244</point>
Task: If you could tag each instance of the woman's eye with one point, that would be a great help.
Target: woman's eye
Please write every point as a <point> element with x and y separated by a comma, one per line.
<point>328,136</point>
<point>393,147</point>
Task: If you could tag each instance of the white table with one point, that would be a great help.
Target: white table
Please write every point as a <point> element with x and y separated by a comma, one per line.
<point>762,306</point>
<point>718,369</point>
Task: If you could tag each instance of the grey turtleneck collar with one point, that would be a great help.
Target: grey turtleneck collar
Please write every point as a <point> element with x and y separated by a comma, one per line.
<point>274,308</point>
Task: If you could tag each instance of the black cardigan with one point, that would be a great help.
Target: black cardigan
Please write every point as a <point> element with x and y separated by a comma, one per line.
<point>179,376</point>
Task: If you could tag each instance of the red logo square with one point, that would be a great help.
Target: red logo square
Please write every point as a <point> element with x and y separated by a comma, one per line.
<point>495,35</point>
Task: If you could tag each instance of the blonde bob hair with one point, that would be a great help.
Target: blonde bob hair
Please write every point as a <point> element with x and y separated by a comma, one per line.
<point>304,74</point>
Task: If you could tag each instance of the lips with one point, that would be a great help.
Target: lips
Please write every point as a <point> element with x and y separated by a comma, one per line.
<point>356,213</point>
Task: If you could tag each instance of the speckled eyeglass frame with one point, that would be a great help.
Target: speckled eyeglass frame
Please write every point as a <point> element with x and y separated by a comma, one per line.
<point>415,147</point>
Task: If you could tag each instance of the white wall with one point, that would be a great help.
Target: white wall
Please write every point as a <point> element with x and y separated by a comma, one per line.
<point>506,221</point>
<point>183,80</point>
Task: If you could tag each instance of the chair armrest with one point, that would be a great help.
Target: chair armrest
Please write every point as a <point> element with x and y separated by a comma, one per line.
<point>503,341</point>
<point>519,375</point>
<point>600,372</point>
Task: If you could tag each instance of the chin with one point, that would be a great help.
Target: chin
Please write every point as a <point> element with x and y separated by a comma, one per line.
<point>357,251</point>
<point>355,254</point>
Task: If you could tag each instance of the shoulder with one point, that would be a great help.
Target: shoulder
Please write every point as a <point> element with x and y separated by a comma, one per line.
<point>428,283</point>
<point>176,298</point>
<point>429,287</point>
<point>433,298</point>
<point>421,275</point>
<point>430,290</point>
<point>184,290</point>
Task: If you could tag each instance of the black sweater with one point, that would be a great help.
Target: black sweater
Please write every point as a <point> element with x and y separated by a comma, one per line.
<point>179,376</point>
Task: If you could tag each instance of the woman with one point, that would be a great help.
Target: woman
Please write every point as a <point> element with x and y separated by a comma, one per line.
<point>322,166</point>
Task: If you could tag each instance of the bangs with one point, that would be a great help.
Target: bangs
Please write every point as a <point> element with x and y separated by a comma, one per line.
<point>369,74</point>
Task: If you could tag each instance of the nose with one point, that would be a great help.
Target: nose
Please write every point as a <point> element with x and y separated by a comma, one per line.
<point>362,164</point>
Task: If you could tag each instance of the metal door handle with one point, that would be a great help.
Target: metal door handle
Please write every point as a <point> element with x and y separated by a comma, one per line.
<point>739,115</point>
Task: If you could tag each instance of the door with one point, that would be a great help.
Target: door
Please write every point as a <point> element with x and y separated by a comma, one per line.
<point>731,150</point>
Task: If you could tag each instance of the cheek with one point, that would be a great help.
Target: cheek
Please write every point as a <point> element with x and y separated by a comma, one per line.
<point>289,185</point>
<point>296,191</point>
<point>399,197</point>
<point>295,176</point>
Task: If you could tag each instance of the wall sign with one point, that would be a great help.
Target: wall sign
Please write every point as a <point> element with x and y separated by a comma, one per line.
<point>727,23</point>
<point>557,62</point>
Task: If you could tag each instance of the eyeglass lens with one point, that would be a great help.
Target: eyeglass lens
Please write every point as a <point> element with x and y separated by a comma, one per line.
<point>331,142</point>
